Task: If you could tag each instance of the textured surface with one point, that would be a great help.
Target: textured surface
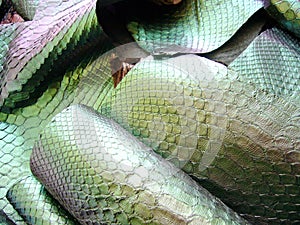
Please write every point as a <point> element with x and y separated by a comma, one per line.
<point>103,175</point>
<point>19,128</point>
<point>193,26</point>
<point>195,113</point>
<point>26,8</point>
<point>243,145</point>
<point>271,62</point>
<point>35,205</point>
<point>63,29</point>
<point>287,13</point>
<point>240,40</point>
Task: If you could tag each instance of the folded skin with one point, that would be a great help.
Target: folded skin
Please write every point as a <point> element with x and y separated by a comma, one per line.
<point>103,175</point>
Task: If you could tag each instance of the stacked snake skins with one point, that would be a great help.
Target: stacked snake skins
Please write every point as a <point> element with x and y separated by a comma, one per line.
<point>203,128</point>
<point>103,175</point>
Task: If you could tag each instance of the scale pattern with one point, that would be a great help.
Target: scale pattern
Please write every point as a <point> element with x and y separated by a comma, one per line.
<point>20,126</point>
<point>194,26</point>
<point>62,29</point>
<point>36,205</point>
<point>195,114</point>
<point>287,13</point>
<point>20,130</point>
<point>26,8</point>
<point>255,165</point>
<point>256,64</point>
<point>103,175</point>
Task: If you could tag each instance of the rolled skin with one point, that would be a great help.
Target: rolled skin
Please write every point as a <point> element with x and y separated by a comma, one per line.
<point>103,175</point>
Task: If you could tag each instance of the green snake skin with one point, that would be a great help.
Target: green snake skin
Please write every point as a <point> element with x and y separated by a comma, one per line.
<point>103,175</point>
<point>257,67</point>
<point>26,9</point>
<point>20,128</point>
<point>287,13</point>
<point>234,129</point>
<point>25,73</point>
<point>194,26</point>
<point>207,123</point>
<point>35,205</point>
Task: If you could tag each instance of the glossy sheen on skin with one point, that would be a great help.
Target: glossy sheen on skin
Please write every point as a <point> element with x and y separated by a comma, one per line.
<point>35,205</point>
<point>195,26</point>
<point>287,13</point>
<point>20,128</point>
<point>257,65</point>
<point>61,29</point>
<point>104,175</point>
<point>273,199</point>
<point>241,143</point>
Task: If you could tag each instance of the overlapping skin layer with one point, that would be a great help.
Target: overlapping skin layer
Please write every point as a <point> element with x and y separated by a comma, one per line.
<point>65,29</point>
<point>271,62</point>
<point>237,134</point>
<point>238,141</point>
<point>103,175</point>
<point>27,9</point>
<point>20,130</point>
<point>287,14</point>
<point>19,127</point>
<point>195,26</point>
<point>36,205</point>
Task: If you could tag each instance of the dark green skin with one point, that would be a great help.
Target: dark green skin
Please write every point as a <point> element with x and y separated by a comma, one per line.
<point>286,14</point>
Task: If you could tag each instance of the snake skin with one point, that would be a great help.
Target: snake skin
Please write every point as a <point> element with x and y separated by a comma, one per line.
<point>287,13</point>
<point>256,166</point>
<point>35,205</point>
<point>255,65</point>
<point>207,122</point>
<point>103,175</point>
<point>19,128</point>
<point>195,26</point>
<point>28,66</point>
<point>26,9</point>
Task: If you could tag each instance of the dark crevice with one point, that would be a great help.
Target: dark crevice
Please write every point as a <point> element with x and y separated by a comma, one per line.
<point>113,22</point>
<point>4,219</point>
<point>114,18</point>
<point>4,8</point>
<point>241,39</point>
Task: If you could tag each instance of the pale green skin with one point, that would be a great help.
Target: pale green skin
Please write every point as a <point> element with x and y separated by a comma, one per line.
<point>104,175</point>
<point>222,131</point>
<point>258,154</point>
<point>30,198</point>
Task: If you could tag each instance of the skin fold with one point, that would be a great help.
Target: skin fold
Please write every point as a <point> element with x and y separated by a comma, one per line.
<point>234,130</point>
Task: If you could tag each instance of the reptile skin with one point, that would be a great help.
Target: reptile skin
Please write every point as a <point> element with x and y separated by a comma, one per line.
<point>255,65</point>
<point>287,13</point>
<point>207,122</point>
<point>235,130</point>
<point>103,175</point>
<point>36,205</point>
<point>195,26</point>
